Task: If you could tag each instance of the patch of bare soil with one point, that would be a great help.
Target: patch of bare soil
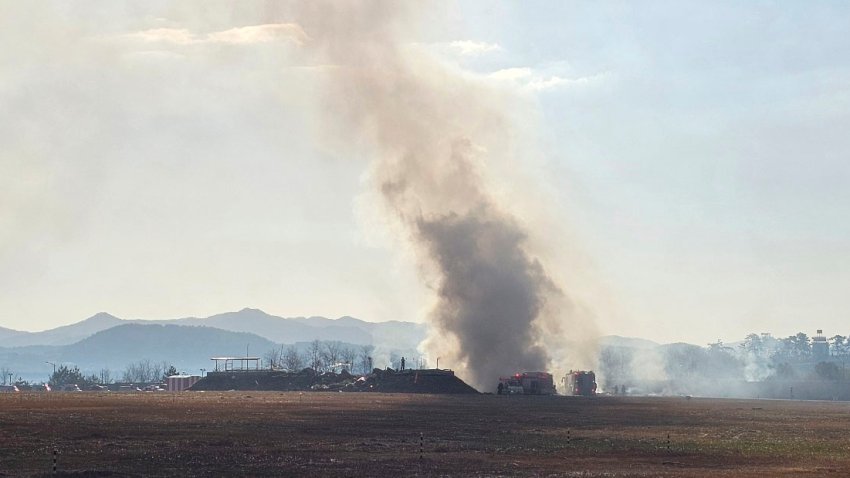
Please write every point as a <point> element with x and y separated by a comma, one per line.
<point>373,434</point>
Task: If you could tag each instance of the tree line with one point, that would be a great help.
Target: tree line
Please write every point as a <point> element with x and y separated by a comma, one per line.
<point>142,371</point>
<point>321,356</point>
<point>758,357</point>
<point>794,347</point>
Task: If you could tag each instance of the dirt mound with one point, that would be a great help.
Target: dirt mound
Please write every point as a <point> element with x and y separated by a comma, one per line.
<point>255,380</point>
<point>386,381</point>
<point>413,381</point>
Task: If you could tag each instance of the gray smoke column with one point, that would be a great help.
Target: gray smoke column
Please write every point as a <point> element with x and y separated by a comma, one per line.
<point>434,133</point>
<point>490,292</point>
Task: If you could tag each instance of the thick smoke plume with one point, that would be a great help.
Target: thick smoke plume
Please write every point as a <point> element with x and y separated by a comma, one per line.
<point>433,132</point>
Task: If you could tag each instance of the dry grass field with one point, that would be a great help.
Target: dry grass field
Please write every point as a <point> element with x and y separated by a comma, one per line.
<point>369,434</point>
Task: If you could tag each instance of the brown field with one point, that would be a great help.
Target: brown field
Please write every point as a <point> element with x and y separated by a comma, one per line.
<point>369,434</point>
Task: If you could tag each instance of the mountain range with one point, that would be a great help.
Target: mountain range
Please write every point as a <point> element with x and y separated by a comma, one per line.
<point>106,341</point>
<point>274,328</point>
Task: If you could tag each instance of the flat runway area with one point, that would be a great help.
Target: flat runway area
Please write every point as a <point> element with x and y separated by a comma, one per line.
<point>370,434</point>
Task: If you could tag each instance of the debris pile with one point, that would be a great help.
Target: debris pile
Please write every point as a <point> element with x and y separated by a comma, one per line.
<point>386,381</point>
<point>413,381</point>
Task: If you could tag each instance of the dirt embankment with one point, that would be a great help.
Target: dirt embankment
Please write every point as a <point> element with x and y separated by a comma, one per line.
<point>386,381</point>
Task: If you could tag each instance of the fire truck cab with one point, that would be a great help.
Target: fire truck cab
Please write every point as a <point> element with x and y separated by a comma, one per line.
<point>580,382</point>
<point>509,386</point>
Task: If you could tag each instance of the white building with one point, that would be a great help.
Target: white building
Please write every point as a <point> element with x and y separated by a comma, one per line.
<point>178,383</point>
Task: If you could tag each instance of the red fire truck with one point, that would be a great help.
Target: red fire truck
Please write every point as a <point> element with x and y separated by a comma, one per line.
<point>527,383</point>
<point>580,382</point>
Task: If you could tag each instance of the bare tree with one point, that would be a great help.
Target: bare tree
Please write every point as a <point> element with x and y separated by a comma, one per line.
<point>131,373</point>
<point>348,356</point>
<point>292,360</point>
<point>366,358</point>
<point>159,371</point>
<point>331,354</point>
<point>7,373</point>
<point>105,376</point>
<point>142,371</point>
<point>272,357</point>
<point>314,355</point>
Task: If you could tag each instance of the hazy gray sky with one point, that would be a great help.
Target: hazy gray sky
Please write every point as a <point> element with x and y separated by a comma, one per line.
<point>160,159</point>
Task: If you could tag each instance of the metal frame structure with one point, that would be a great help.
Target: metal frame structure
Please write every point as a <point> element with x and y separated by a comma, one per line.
<point>230,364</point>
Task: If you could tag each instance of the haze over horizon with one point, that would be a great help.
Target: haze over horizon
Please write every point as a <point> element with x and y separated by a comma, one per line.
<point>160,161</point>
<point>646,336</point>
<point>106,314</point>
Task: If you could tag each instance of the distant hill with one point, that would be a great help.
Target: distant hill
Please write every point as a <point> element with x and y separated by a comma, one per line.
<point>629,342</point>
<point>283,330</point>
<point>394,334</point>
<point>106,341</point>
<point>183,346</point>
<point>6,334</point>
<point>30,362</point>
<point>186,347</point>
<point>64,335</point>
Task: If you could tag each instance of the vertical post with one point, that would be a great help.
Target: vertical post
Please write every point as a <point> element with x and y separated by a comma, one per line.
<point>54,460</point>
<point>668,442</point>
<point>421,447</point>
<point>569,436</point>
